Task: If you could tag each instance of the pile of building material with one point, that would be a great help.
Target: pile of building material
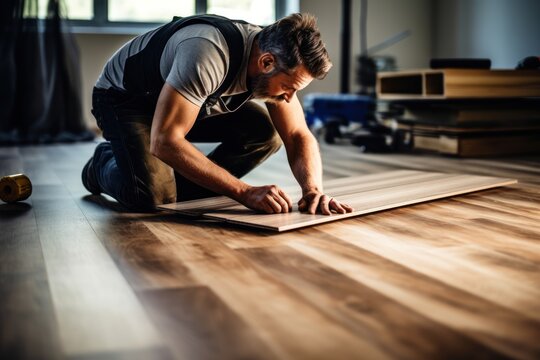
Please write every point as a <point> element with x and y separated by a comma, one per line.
<point>466,112</point>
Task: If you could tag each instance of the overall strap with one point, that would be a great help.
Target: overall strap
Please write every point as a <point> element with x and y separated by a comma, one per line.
<point>142,74</point>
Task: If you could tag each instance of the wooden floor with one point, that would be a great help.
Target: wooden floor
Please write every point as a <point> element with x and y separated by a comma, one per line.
<point>454,278</point>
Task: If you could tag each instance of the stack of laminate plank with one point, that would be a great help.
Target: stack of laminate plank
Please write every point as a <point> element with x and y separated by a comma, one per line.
<point>466,112</point>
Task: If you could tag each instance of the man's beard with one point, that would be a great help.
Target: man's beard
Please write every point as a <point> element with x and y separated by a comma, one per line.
<point>259,86</point>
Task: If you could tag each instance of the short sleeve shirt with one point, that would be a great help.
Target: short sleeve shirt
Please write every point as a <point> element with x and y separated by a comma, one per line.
<point>194,61</point>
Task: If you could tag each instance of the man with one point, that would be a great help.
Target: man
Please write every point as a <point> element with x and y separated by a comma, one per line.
<point>195,82</point>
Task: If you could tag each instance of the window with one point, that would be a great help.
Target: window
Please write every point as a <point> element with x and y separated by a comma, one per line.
<point>111,15</point>
<point>148,11</point>
<point>255,11</point>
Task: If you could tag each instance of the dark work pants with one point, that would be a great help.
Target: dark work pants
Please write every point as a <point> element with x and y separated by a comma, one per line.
<point>127,171</point>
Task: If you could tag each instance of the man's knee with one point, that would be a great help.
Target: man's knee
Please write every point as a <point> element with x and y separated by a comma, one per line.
<point>143,201</point>
<point>156,188</point>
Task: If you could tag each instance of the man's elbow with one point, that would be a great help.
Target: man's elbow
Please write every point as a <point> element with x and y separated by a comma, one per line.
<point>154,148</point>
<point>304,139</point>
<point>162,146</point>
<point>159,146</point>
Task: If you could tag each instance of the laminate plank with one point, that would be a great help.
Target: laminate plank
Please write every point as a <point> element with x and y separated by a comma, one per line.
<point>157,353</point>
<point>9,152</point>
<point>197,325</point>
<point>372,200</point>
<point>500,328</point>
<point>489,233</point>
<point>28,327</point>
<point>20,251</point>
<point>369,182</point>
<point>507,166</point>
<point>460,227</point>
<point>366,195</point>
<point>190,242</point>
<point>288,324</point>
<point>10,166</point>
<point>472,168</point>
<point>350,156</point>
<point>497,243</point>
<point>140,256</point>
<point>395,329</point>
<point>503,205</point>
<point>352,168</point>
<point>518,201</point>
<point>457,220</point>
<point>493,285</point>
<point>96,310</point>
<point>37,166</point>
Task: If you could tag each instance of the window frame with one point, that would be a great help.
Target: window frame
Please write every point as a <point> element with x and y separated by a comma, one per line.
<point>101,24</point>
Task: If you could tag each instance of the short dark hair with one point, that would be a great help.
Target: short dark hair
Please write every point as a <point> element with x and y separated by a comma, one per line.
<point>295,40</point>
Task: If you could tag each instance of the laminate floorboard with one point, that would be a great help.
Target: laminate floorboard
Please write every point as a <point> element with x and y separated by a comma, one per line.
<point>92,298</point>
<point>480,319</point>
<point>366,194</point>
<point>82,278</point>
<point>399,332</point>
<point>29,329</point>
<point>198,325</point>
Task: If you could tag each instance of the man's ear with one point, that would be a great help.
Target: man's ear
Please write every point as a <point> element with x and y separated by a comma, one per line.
<point>266,62</point>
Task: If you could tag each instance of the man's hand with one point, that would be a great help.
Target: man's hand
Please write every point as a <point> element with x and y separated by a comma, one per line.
<point>314,201</point>
<point>269,199</point>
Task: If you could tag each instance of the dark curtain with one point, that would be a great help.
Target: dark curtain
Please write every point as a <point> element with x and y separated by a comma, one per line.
<point>40,86</point>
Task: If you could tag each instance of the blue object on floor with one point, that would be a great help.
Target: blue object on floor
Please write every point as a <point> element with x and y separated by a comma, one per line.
<point>320,108</point>
<point>338,115</point>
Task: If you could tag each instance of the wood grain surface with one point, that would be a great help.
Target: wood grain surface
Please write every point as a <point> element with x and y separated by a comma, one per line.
<point>81,278</point>
<point>366,194</point>
<point>457,83</point>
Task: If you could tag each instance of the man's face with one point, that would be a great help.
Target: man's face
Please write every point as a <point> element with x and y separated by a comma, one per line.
<point>278,86</point>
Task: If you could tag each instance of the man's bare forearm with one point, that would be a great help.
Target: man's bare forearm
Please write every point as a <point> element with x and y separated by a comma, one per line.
<point>187,160</point>
<point>195,166</point>
<point>305,161</point>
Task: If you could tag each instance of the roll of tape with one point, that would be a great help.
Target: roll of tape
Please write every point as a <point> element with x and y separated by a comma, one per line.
<point>15,188</point>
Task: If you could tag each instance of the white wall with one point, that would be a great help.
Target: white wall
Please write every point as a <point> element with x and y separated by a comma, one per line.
<point>95,50</point>
<point>385,19</point>
<point>503,30</point>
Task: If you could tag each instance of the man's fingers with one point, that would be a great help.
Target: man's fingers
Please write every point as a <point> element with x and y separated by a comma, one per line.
<point>325,204</point>
<point>283,203</point>
<point>286,197</point>
<point>312,209</point>
<point>302,205</point>
<point>340,207</point>
<point>337,206</point>
<point>274,205</point>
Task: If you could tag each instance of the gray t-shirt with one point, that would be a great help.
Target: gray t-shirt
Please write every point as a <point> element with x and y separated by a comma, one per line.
<point>195,61</point>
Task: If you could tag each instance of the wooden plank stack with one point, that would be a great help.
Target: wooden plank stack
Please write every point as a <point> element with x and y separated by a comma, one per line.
<point>466,112</point>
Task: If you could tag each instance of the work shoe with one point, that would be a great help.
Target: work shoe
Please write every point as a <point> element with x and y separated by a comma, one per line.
<point>88,177</point>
